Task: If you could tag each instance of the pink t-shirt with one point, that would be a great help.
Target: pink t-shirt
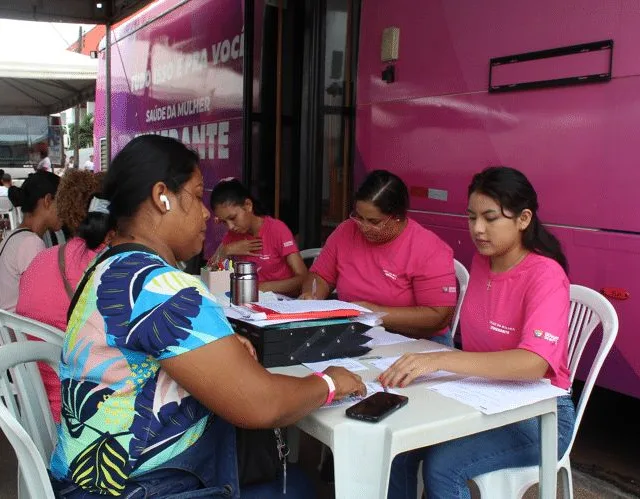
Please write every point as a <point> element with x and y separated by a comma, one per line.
<point>277,244</point>
<point>20,249</point>
<point>526,307</point>
<point>415,269</point>
<point>49,302</point>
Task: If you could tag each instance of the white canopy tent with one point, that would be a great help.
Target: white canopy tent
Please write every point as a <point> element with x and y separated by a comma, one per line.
<point>107,12</point>
<point>43,83</point>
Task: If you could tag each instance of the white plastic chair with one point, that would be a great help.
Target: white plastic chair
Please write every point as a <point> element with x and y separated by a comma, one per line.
<point>588,309</point>
<point>462,276</point>
<point>14,328</point>
<point>22,423</point>
<point>311,253</point>
<point>6,208</point>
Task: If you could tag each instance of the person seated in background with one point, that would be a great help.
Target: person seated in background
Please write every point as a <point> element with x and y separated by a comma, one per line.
<point>514,326</point>
<point>48,284</point>
<point>5,183</point>
<point>386,262</point>
<point>255,237</point>
<point>151,371</point>
<point>37,199</point>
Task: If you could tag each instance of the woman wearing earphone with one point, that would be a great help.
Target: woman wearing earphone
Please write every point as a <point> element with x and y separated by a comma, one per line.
<point>151,372</point>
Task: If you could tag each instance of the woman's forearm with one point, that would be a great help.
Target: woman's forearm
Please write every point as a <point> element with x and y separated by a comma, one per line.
<point>516,364</point>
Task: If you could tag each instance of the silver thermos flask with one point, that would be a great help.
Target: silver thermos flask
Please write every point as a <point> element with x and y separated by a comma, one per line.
<point>244,283</point>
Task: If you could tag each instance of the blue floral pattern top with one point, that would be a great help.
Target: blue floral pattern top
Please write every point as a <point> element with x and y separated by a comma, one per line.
<point>122,415</point>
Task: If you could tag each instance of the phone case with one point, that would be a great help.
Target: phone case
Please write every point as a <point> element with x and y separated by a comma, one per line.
<point>354,413</point>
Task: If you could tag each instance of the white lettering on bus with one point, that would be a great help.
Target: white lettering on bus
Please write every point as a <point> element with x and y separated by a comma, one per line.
<point>224,49</point>
<point>211,140</point>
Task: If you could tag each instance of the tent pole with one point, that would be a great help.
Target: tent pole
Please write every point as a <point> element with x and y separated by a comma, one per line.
<point>108,98</point>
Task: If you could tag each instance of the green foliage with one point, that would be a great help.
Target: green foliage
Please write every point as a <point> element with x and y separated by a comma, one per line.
<point>85,132</point>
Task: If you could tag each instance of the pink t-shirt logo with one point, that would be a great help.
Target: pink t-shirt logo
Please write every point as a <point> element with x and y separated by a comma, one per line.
<point>390,275</point>
<point>551,338</point>
<point>287,244</point>
<point>449,289</point>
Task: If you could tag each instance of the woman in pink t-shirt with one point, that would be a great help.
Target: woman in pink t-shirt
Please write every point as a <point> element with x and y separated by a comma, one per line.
<point>386,262</point>
<point>46,287</point>
<point>255,237</point>
<point>514,324</point>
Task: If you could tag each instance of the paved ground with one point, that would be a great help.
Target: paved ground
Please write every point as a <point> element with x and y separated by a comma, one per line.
<point>606,459</point>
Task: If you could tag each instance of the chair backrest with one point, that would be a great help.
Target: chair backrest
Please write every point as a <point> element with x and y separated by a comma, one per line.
<point>22,423</point>
<point>462,276</point>
<point>588,310</point>
<point>15,328</point>
<point>311,253</point>
<point>14,214</point>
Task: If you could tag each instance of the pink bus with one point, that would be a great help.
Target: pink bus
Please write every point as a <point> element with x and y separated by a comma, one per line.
<point>336,110</point>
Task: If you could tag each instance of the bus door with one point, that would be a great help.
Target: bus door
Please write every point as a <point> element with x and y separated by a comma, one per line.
<point>300,156</point>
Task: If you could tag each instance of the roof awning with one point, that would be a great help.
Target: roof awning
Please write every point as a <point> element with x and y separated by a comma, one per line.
<point>44,83</point>
<point>71,11</point>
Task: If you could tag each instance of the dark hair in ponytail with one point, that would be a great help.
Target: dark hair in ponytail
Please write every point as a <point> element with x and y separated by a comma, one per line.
<point>514,193</point>
<point>34,188</point>
<point>145,161</point>
<point>386,191</point>
<point>232,191</point>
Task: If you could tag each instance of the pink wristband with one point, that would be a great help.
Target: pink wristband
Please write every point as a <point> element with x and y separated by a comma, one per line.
<point>330,384</point>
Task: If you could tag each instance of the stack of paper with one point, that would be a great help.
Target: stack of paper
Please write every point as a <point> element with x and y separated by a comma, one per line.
<point>381,337</point>
<point>493,396</point>
<point>299,309</point>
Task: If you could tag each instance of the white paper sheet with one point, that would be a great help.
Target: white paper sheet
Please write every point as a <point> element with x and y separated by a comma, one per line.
<point>493,396</point>
<point>349,364</point>
<point>372,387</point>
<point>303,306</point>
<point>381,337</point>
<point>385,362</point>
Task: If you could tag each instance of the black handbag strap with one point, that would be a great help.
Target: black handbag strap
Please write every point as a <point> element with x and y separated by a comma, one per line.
<point>114,250</point>
<point>6,241</point>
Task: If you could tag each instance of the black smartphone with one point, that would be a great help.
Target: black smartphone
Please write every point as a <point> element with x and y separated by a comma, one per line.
<point>377,406</point>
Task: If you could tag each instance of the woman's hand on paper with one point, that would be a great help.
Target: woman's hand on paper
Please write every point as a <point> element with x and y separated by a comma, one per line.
<point>409,367</point>
<point>251,247</point>
<point>306,296</point>
<point>247,344</point>
<point>346,382</point>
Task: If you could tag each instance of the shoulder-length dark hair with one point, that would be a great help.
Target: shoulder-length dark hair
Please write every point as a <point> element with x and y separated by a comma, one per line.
<point>512,190</point>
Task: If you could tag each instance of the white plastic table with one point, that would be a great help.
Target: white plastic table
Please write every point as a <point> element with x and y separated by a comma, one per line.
<point>363,452</point>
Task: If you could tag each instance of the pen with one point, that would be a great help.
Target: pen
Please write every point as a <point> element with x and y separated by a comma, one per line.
<point>314,288</point>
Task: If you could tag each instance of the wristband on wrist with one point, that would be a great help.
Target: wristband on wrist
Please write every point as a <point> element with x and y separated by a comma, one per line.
<point>330,384</point>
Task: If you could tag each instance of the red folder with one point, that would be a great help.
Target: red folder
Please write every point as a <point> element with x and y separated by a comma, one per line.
<point>325,314</point>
